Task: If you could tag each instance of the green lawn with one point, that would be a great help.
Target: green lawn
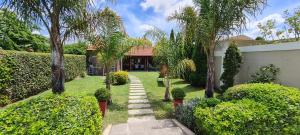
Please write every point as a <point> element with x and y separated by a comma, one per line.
<point>156,91</point>
<point>117,112</point>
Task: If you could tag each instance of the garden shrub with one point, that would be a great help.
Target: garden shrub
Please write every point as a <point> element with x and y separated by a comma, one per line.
<point>265,74</point>
<point>102,94</point>
<point>231,65</point>
<point>30,73</point>
<point>52,114</point>
<point>197,80</point>
<point>233,118</point>
<point>120,77</point>
<point>185,113</point>
<point>282,102</point>
<point>178,94</point>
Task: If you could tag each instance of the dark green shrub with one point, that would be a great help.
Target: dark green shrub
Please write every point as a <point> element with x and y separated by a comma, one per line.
<point>185,113</point>
<point>282,102</point>
<point>102,94</point>
<point>232,63</point>
<point>31,72</point>
<point>265,74</point>
<point>76,48</point>
<point>244,117</point>
<point>197,80</point>
<point>52,114</point>
<point>178,94</point>
<point>120,77</point>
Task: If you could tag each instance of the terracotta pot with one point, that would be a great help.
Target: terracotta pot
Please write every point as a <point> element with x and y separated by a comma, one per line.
<point>177,102</point>
<point>103,105</point>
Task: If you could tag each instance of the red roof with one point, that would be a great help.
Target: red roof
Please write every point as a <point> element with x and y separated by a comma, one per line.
<point>140,51</point>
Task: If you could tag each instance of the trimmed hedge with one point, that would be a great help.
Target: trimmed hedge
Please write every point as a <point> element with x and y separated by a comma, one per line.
<point>252,109</point>
<point>31,72</point>
<point>282,102</point>
<point>52,114</point>
<point>243,117</point>
<point>185,113</point>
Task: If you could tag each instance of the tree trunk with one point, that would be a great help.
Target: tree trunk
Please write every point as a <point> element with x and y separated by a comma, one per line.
<point>108,82</point>
<point>57,64</point>
<point>209,92</point>
<point>167,92</point>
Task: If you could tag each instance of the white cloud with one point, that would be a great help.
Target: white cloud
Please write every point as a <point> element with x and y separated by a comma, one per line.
<point>252,29</point>
<point>167,7</point>
<point>146,27</point>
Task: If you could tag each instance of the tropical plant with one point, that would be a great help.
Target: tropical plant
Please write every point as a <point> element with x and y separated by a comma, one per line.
<point>76,48</point>
<point>107,34</point>
<point>61,18</point>
<point>218,18</point>
<point>169,54</point>
<point>232,63</point>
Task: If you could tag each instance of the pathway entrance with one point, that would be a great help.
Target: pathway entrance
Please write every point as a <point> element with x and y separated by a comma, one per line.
<point>141,119</point>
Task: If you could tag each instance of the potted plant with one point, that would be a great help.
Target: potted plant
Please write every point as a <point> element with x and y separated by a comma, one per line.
<point>178,95</point>
<point>102,95</point>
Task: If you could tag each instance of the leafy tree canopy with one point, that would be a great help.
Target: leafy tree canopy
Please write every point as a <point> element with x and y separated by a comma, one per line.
<point>17,35</point>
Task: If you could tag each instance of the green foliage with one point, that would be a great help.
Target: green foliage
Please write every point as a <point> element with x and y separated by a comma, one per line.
<point>185,113</point>
<point>17,35</point>
<point>102,94</point>
<point>282,102</point>
<point>76,48</point>
<point>120,77</point>
<point>178,94</point>
<point>4,100</point>
<point>198,78</point>
<point>241,117</point>
<point>28,74</point>
<point>260,38</point>
<point>265,74</point>
<point>53,114</point>
<point>231,65</point>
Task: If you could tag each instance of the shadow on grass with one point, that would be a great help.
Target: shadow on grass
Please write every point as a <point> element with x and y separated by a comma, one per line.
<point>161,108</point>
<point>116,107</point>
<point>190,88</point>
<point>160,84</point>
<point>180,82</point>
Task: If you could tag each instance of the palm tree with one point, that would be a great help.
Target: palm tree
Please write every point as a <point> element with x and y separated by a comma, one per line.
<point>168,53</point>
<point>61,18</point>
<point>217,19</point>
<point>108,35</point>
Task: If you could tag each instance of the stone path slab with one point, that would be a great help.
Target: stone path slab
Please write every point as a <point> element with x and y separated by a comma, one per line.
<point>137,94</point>
<point>138,101</point>
<point>140,112</point>
<point>137,91</point>
<point>137,97</point>
<point>138,106</point>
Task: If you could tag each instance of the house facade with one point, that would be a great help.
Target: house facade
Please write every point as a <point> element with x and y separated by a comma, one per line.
<point>137,59</point>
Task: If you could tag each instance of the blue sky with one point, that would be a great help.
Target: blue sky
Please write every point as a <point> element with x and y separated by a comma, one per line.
<point>140,15</point>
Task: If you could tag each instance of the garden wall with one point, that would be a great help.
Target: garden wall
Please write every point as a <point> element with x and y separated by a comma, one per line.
<point>25,74</point>
<point>285,56</point>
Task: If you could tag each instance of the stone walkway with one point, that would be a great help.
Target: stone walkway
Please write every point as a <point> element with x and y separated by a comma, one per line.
<point>141,119</point>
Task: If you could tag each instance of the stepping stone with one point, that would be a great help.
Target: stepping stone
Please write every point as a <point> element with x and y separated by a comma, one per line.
<point>137,91</point>
<point>138,101</point>
<point>140,112</point>
<point>136,84</point>
<point>137,97</point>
<point>137,94</point>
<point>138,106</point>
<point>141,88</point>
<point>140,118</point>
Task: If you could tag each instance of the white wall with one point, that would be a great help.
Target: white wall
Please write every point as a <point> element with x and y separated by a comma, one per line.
<point>285,56</point>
